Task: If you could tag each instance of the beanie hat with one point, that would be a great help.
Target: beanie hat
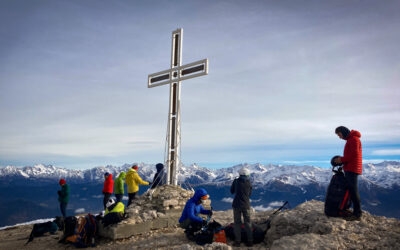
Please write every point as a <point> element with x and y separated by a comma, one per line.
<point>135,167</point>
<point>244,171</point>
<point>106,174</point>
<point>342,129</point>
<point>62,182</point>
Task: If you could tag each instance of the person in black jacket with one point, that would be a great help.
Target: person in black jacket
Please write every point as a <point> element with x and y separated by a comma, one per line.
<point>242,188</point>
<point>159,177</point>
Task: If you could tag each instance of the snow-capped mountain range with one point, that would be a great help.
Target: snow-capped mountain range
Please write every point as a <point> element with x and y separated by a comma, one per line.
<point>385,174</point>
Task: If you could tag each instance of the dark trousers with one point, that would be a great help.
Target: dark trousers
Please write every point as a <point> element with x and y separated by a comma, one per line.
<point>119,197</point>
<point>237,218</point>
<point>352,185</point>
<point>131,197</point>
<point>106,198</point>
<point>190,227</point>
<point>63,208</point>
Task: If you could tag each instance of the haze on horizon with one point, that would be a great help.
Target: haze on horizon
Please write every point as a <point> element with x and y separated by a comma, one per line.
<point>282,76</point>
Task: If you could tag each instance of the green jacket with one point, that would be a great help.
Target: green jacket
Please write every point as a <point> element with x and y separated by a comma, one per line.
<point>119,183</point>
<point>63,195</point>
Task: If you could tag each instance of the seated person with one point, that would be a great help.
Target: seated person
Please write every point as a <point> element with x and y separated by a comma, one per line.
<point>114,213</point>
<point>190,221</point>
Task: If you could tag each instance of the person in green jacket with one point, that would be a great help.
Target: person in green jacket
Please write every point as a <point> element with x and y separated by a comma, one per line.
<point>119,186</point>
<point>63,196</point>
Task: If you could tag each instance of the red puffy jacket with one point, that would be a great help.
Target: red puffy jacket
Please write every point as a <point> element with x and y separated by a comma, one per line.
<point>352,155</point>
<point>108,185</point>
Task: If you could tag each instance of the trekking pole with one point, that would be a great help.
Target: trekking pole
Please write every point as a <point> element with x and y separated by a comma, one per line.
<point>279,209</point>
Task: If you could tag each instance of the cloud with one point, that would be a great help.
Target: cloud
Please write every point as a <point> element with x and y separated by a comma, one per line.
<point>97,196</point>
<point>227,199</point>
<point>125,198</point>
<point>262,208</point>
<point>386,152</point>
<point>276,203</point>
<point>79,210</point>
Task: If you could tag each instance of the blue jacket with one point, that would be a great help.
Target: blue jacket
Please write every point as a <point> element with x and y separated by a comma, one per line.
<point>192,208</point>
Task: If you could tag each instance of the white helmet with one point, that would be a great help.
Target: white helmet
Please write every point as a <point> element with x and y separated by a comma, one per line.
<point>244,171</point>
<point>110,202</point>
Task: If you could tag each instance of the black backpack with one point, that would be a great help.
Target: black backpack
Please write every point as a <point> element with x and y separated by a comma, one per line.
<point>206,234</point>
<point>337,199</point>
<point>69,227</point>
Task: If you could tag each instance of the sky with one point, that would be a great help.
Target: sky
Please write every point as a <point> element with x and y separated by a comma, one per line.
<point>282,76</point>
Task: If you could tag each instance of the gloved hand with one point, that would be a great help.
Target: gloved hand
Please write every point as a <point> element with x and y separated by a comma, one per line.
<point>59,192</point>
<point>150,183</point>
<point>203,223</point>
<point>210,213</point>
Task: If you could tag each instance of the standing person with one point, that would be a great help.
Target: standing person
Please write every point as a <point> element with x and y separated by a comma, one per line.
<point>190,219</point>
<point>63,197</point>
<point>242,188</point>
<point>158,179</point>
<point>352,165</point>
<point>119,186</point>
<point>108,188</point>
<point>132,181</point>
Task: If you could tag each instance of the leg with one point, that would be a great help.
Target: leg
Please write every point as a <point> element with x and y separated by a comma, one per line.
<point>352,184</point>
<point>247,225</point>
<point>237,219</point>
<point>118,197</point>
<point>63,207</point>
<point>131,198</point>
<point>105,200</point>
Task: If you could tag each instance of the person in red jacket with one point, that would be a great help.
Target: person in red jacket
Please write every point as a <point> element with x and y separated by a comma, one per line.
<point>108,188</point>
<point>352,165</point>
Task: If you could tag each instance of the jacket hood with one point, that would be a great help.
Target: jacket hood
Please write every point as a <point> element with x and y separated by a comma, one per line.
<point>354,133</point>
<point>159,167</point>
<point>198,194</point>
<point>122,175</point>
<point>131,171</point>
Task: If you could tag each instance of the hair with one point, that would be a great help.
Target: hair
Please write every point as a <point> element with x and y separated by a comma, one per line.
<point>342,129</point>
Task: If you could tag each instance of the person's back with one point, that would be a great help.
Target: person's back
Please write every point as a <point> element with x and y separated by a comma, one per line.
<point>159,176</point>
<point>119,186</point>
<point>242,188</point>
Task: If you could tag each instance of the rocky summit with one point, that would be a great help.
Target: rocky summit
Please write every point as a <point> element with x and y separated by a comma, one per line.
<point>304,227</point>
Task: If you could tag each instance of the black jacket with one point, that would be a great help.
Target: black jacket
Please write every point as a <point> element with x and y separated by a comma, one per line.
<point>241,187</point>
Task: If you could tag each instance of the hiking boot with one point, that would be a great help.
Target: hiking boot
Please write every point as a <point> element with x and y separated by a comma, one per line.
<point>236,244</point>
<point>353,218</point>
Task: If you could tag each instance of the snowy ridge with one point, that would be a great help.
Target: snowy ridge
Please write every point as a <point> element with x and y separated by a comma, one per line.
<point>385,174</point>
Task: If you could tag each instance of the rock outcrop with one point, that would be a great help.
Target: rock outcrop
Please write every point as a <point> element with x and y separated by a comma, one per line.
<point>306,227</point>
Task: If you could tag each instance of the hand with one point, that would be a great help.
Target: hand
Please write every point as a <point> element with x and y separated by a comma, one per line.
<point>210,213</point>
<point>204,223</point>
<point>59,192</point>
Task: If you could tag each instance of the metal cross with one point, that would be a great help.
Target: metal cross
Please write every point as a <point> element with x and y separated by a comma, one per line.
<point>173,77</point>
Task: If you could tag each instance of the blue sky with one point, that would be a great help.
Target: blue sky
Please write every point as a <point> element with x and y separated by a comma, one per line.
<point>282,76</point>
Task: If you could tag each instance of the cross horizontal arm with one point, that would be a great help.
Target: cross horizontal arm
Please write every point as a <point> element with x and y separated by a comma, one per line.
<point>177,74</point>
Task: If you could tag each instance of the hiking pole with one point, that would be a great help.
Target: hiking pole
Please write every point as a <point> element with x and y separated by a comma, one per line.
<point>279,209</point>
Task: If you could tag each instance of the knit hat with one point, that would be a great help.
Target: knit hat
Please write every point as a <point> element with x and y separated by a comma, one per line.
<point>62,182</point>
<point>244,171</point>
<point>135,167</point>
<point>106,174</point>
<point>343,130</point>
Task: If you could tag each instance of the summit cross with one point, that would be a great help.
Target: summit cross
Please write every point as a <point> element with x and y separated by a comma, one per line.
<point>173,77</point>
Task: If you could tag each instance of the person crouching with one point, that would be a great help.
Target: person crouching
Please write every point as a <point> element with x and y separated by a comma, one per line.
<point>190,221</point>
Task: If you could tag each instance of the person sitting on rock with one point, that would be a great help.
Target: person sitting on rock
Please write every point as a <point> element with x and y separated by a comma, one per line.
<point>114,213</point>
<point>159,177</point>
<point>119,186</point>
<point>190,221</point>
<point>132,181</point>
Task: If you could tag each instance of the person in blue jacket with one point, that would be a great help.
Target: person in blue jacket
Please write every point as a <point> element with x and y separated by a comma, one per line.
<point>190,221</point>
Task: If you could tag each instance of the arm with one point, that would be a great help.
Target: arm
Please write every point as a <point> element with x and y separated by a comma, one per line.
<point>233,187</point>
<point>204,211</point>
<point>352,151</point>
<point>192,215</point>
<point>140,181</point>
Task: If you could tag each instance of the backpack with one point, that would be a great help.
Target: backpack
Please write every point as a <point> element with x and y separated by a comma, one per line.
<point>40,229</point>
<point>337,199</point>
<point>69,227</point>
<point>206,234</point>
<point>85,232</point>
<point>258,233</point>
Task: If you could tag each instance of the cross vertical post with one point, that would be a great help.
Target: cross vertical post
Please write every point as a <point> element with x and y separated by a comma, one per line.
<point>173,77</point>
